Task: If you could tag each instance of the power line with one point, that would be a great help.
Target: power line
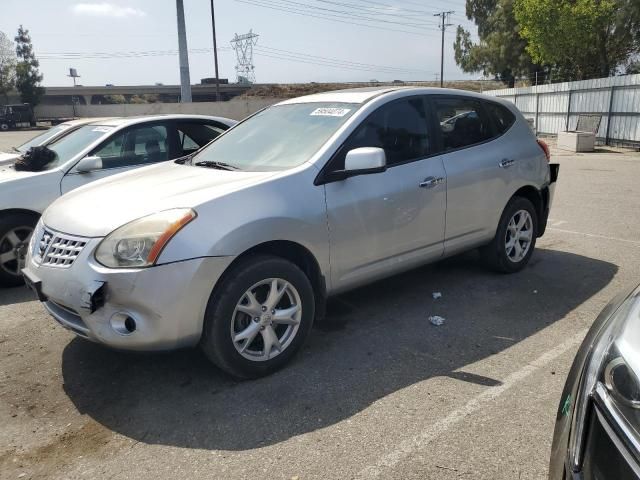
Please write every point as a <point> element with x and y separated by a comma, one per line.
<point>265,51</point>
<point>386,5</point>
<point>411,14</point>
<point>398,69</point>
<point>330,17</point>
<point>351,14</point>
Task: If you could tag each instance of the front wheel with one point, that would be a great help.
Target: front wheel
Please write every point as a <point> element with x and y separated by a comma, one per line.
<point>4,126</point>
<point>15,232</point>
<point>515,239</point>
<point>259,316</point>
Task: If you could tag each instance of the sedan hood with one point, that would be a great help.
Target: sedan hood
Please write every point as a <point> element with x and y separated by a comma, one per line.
<point>100,207</point>
<point>8,173</point>
<point>8,158</point>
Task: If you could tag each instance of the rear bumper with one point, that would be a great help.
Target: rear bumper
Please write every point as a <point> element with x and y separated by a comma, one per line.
<point>547,197</point>
<point>166,302</point>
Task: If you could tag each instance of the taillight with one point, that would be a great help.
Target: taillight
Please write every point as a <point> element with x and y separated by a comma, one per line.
<point>545,149</point>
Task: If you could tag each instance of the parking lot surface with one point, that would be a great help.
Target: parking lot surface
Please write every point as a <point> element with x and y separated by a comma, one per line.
<point>378,392</point>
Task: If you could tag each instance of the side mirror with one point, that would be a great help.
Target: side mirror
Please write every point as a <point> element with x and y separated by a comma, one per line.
<point>359,161</point>
<point>366,160</point>
<point>89,164</point>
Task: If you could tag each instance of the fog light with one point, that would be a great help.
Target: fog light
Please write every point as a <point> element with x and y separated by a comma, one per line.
<point>123,323</point>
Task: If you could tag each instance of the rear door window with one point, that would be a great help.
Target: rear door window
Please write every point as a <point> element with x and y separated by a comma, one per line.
<point>192,136</point>
<point>462,122</point>
<point>502,117</point>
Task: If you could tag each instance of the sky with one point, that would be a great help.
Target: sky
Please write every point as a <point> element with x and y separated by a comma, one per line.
<point>134,42</point>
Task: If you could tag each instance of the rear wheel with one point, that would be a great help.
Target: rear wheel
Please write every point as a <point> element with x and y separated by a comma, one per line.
<point>15,232</point>
<point>515,238</point>
<point>259,316</point>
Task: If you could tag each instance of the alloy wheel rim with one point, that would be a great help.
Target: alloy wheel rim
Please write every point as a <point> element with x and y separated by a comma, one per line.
<point>266,319</point>
<point>13,247</point>
<point>519,236</point>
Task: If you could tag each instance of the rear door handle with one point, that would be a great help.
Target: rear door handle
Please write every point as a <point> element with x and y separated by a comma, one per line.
<point>506,163</point>
<point>431,182</point>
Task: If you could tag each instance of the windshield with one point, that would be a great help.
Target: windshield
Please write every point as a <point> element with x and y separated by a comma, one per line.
<point>43,137</point>
<point>278,138</point>
<point>70,145</point>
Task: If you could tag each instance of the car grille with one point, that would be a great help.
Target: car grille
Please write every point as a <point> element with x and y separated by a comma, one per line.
<point>58,249</point>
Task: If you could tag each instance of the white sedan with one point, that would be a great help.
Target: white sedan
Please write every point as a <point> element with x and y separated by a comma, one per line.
<point>92,152</point>
<point>46,137</point>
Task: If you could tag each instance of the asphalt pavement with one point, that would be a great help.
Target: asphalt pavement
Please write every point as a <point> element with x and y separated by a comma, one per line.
<point>378,391</point>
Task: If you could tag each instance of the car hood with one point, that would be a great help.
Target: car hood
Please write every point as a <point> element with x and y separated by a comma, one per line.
<point>9,174</point>
<point>8,158</point>
<point>99,208</point>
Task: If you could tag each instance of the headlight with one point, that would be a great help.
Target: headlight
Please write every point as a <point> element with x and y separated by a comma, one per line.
<point>612,377</point>
<point>139,243</point>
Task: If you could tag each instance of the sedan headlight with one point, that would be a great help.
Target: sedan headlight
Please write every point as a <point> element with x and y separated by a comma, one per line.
<point>612,377</point>
<point>139,243</point>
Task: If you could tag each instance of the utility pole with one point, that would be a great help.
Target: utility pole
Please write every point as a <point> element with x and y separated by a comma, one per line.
<point>445,17</point>
<point>185,80</point>
<point>215,51</point>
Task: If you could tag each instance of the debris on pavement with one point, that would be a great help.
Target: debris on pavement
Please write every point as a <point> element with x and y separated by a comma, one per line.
<point>436,320</point>
<point>436,295</point>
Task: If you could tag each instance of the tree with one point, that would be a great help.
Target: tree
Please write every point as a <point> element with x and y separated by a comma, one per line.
<point>500,51</point>
<point>581,38</point>
<point>7,66</point>
<point>28,76</point>
<point>114,99</point>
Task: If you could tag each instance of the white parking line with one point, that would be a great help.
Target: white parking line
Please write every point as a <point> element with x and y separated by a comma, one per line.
<point>419,442</point>
<point>594,235</point>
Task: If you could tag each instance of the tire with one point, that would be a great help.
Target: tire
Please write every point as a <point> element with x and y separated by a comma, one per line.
<point>504,254</point>
<point>230,312</point>
<point>15,232</point>
<point>4,127</point>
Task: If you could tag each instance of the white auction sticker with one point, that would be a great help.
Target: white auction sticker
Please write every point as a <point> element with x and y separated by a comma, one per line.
<point>330,112</point>
<point>102,129</point>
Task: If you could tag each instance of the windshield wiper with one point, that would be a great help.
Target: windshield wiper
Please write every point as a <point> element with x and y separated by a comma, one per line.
<point>15,150</point>
<point>218,165</point>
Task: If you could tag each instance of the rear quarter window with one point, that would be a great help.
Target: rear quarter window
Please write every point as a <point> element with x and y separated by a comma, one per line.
<point>502,117</point>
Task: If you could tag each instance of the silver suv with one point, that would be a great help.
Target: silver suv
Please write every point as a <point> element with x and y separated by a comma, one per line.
<point>237,247</point>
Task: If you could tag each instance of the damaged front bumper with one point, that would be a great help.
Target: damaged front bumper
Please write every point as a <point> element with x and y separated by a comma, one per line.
<point>156,308</point>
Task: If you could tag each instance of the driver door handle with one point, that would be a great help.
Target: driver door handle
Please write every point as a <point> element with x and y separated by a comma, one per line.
<point>431,182</point>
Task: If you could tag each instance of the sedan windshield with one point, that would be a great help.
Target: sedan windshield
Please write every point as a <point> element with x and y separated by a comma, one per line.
<point>278,138</point>
<point>72,144</point>
<point>43,137</point>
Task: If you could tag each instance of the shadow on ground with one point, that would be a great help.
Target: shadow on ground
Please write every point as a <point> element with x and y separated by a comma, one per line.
<point>9,296</point>
<point>377,340</point>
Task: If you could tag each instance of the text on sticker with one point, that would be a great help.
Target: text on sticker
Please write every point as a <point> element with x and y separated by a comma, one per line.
<point>102,129</point>
<point>330,112</point>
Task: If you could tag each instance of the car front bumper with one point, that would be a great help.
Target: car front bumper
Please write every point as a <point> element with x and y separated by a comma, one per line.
<point>165,304</point>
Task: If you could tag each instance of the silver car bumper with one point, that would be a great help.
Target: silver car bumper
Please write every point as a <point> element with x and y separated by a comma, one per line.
<point>156,308</point>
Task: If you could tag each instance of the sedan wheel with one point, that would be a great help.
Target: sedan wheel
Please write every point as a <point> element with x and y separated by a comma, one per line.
<point>14,241</point>
<point>266,319</point>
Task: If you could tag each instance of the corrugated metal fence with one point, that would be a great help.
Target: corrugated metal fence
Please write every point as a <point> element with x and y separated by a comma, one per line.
<point>555,108</point>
